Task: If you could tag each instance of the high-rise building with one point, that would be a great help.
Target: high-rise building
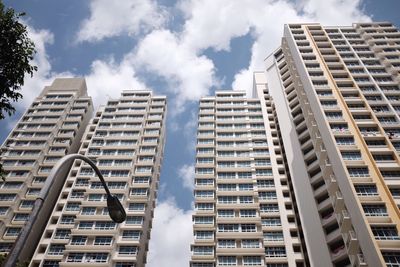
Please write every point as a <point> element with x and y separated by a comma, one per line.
<point>337,97</point>
<point>125,139</point>
<point>244,212</point>
<point>49,129</point>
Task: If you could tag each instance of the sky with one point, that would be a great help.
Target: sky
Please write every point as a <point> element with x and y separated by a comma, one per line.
<point>182,49</point>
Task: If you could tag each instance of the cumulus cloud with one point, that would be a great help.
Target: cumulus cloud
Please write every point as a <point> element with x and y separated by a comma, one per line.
<point>113,18</point>
<point>189,76</point>
<point>178,56</point>
<point>171,236</point>
<point>107,79</point>
<point>44,75</point>
<point>33,85</point>
<point>186,173</point>
<point>268,28</point>
<point>222,21</point>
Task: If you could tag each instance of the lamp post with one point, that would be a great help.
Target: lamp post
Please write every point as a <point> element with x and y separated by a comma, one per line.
<point>31,232</point>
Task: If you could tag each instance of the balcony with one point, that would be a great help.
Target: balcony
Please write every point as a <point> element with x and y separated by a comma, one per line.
<point>351,242</point>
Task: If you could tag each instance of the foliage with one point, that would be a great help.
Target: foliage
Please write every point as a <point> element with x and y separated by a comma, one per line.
<point>2,258</point>
<point>17,50</point>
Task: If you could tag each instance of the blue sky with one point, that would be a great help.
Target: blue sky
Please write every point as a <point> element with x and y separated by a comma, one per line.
<point>182,49</point>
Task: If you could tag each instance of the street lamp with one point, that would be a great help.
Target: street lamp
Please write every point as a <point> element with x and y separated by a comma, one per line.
<point>32,230</point>
<point>115,208</point>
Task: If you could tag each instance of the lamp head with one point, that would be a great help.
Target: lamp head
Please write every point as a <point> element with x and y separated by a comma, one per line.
<point>115,209</point>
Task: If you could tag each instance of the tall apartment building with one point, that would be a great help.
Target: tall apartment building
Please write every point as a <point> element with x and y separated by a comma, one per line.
<point>49,129</point>
<point>125,139</point>
<point>244,213</point>
<point>337,97</point>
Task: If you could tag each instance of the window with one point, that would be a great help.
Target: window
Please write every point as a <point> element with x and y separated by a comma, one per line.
<point>50,263</point>
<point>264,172</point>
<point>204,206</point>
<point>103,241</point>
<point>134,220</point>
<point>95,257</point>
<point>351,155</point>
<point>265,183</point>
<point>203,220</point>
<point>227,260</point>
<point>263,162</point>
<point>12,231</point>
<point>245,187</point>
<point>385,232</point>
<point>204,234</point>
<point>226,175</point>
<point>203,250</point>
<point>250,243</point>
<point>375,210</point>
<point>273,236</point>
<point>88,211</point>
<point>226,243</point>
<point>390,174</point>
<point>366,190</point>
<point>106,225</point>
<point>272,252</point>
<point>139,192</point>
<point>56,250</point>
<point>85,225</point>
<point>345,141</point>
<point>205,160</point>
<point>246,199</point>
<point>131,235</point>
<point>274,221</point>
<point>62,234</point>
<point>72,207</point>
<point>226,213</point>
<point>392,258</point>
<point>358,171</point>
<point>204,193</point>
<point>248,228</point>
<point>395,192</point>
<point>20,217</point>
<point>226,187</point>
<point>383,157</point>
<point>142,180</point>
<point>203,171</point>
<point>268,195</point>
<point>204,182</point>
<point>26,204</point>
<point>252,261</point>
<point>79,240</point>
<point>127,250</point>
<point>269,208</point>
<point>228,227</point>
<point>136,206</point>
<point>248,213</point>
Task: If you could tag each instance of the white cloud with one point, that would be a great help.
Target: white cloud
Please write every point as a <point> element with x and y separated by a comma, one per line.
<point>42,77</point>
<point>335,12</point>
<point>268,28</point>
<point>171,236</point>
<point>189,76</point>
<point>215,23</point>
<point>33,85</point>
<point>186,173</point>
<point>107,79</point>
<point>113,18</point>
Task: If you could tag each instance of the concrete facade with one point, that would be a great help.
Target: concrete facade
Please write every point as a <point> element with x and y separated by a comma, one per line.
<point>338,103</point>
<point>126,140</point>
<point>49,129</point>
<point>244,213</point>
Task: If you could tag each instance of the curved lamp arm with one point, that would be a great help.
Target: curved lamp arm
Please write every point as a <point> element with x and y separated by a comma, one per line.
<point>115,208</point>
<point>32,230</point>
